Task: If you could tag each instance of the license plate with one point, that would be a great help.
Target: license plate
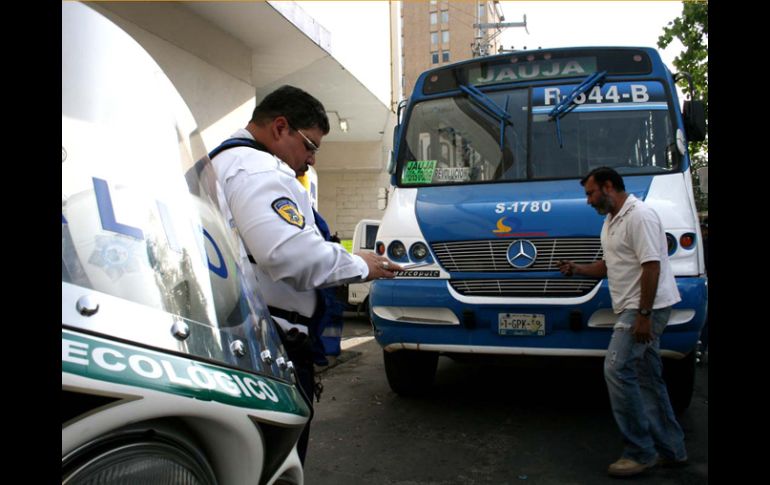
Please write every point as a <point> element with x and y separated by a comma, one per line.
<point>521,324</point>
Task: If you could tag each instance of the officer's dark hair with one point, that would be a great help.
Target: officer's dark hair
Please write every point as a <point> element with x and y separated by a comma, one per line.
<point>603,174</point>
<point>300,108</point>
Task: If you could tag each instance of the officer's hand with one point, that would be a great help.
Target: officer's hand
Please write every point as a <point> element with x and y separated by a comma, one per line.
<point>379,267</point>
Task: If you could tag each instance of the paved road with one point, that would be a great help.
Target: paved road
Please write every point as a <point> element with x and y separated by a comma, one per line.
<point>532,423</point>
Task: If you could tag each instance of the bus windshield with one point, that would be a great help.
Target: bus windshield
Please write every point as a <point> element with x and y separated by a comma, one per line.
<point>454,140</point>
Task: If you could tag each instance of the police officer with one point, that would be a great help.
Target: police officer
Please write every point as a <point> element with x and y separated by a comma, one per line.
<point>273,215</point>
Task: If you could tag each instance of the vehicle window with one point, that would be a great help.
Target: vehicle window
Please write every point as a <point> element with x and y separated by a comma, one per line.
<point>371,237</point>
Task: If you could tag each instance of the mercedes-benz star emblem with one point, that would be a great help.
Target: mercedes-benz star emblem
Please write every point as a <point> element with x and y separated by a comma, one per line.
<point>521,254</point>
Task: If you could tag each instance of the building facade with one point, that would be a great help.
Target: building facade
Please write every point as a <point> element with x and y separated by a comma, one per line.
<point>439,32</point>
<point>223,57</point>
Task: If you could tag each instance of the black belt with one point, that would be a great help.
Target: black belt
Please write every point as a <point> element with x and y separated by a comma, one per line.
<point>292,317</point>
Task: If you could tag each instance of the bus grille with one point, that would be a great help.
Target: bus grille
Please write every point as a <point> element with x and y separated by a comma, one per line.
<point>549,288</point>
<point>490,256</point>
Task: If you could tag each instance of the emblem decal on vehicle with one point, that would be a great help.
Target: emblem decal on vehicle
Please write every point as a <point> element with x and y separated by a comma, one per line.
<point>418,273</point>
<point>287,209</point>
<point>502,228</point>
<point>521,254</point>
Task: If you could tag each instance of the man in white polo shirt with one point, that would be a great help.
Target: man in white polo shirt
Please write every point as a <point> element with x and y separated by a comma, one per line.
<point>643,289</point>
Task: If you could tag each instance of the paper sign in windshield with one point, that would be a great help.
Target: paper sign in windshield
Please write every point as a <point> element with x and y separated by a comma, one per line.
<point>454,174</point>
<point>419,172</point>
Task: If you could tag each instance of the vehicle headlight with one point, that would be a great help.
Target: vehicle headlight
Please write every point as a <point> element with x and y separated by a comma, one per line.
<point>146,461</point>
<point>671,241</point>
<point>397,250</point>
<point>418,251</point>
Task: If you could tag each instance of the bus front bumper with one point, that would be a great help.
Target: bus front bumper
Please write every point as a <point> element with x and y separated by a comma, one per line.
<point>431,316</point>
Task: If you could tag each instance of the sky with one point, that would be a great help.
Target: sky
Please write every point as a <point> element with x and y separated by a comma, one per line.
<point>360,37</point>
<point>600,23</point>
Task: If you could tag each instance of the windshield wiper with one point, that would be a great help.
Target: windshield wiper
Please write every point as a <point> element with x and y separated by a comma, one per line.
<point>566,105</point>
<point>488,105</point>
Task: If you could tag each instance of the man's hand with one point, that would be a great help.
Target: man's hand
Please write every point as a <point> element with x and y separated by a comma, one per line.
<point>567,268</point>
<point>642,329</point>
<point>379,267</point>
<point>597,269</point>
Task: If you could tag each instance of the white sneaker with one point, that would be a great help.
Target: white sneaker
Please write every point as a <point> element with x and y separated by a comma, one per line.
<point>626,467</point>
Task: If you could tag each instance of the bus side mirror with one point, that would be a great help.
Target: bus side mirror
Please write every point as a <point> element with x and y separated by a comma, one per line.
<point>392,163</point>
<point>694,114</point>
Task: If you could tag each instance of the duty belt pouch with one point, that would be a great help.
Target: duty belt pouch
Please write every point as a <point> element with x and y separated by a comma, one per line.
<point>298,345</point>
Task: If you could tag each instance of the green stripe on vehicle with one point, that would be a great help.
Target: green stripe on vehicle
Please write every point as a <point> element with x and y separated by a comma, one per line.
<point>105,360</point>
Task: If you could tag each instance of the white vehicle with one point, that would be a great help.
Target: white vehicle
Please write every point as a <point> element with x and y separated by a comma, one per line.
<point>172,371</point>
<point>364,238</point>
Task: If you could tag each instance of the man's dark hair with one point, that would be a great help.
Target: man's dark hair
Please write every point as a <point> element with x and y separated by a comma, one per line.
<point>300,108</point>
<point>603,174</point>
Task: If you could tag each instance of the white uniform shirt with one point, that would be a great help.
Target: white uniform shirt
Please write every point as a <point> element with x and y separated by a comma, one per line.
<point>273,215</point>
<point>635,236</point>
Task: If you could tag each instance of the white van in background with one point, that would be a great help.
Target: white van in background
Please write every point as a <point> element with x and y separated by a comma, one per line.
<point>364,238</point>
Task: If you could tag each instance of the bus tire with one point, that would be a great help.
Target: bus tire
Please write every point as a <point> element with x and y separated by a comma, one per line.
<point>410,372</point>
<point>679,375</point>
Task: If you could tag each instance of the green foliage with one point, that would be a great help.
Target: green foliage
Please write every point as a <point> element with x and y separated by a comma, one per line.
<point>692,29</point>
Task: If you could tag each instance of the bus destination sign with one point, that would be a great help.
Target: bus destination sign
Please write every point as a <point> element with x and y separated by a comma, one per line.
<point>483,74</point>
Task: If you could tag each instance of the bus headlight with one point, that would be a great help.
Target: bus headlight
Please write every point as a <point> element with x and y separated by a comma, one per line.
<point>671,240</point>
<point>418,251</point>
<point>397,250</point>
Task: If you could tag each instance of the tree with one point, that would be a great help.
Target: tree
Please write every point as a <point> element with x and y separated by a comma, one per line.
<point>692,30</point>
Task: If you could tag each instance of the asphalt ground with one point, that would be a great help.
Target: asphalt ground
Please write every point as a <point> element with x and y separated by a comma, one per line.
<point>533,421</point>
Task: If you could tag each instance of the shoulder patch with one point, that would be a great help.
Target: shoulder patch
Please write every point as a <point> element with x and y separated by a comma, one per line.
<point>289,212</point>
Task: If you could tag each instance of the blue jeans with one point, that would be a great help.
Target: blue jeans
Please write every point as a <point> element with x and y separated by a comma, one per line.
<point>640,403</point>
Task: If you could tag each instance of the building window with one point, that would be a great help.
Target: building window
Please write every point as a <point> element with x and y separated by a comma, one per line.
<point>445,36</point>
<point>433,38</point>
<point>445,56</point>
<point>445,17</point>
<point>434,57</point>
<point>433,18</point>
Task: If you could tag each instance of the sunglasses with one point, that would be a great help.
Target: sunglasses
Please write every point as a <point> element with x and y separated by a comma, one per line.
<point>309,145</point>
